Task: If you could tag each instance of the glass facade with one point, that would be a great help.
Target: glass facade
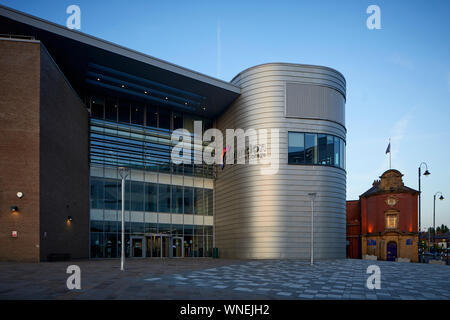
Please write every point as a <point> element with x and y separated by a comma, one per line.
<point>168,207</point>
<point>316,149</point>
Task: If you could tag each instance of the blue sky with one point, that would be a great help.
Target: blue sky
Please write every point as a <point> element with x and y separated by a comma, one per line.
<point>398,78</point>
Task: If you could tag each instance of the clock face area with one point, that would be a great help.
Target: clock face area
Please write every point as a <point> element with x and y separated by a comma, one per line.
<point>391,201</point>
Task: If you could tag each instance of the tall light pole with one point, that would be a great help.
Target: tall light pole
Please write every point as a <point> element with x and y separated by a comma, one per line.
<point>434,213</point>
<point>312,197</point>
<point>123,173</point>
<point>426,173</point>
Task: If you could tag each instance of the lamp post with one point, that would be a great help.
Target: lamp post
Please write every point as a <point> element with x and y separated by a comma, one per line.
<point>312,197</point>
<point>434,213</point>
<point>426,173</point>
<point>123,173</point>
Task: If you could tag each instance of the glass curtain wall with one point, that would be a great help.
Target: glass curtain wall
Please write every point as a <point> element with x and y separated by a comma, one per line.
<point>137,135</point>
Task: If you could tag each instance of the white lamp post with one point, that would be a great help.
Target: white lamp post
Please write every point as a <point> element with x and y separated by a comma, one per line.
<point>123,173</point>
<point>312,196</point>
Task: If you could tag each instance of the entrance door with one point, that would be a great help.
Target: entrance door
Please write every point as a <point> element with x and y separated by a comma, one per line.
<point>177,247</point>
<point>137,247</point>
<point>391,254</point>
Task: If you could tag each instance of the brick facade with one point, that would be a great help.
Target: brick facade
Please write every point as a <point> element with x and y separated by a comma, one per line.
<point>43,154</point>
<point>388,214</point>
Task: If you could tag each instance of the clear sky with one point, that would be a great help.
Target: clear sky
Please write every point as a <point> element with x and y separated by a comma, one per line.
<point>398,78</point>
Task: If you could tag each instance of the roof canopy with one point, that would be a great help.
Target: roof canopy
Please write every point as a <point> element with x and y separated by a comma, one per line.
<point>75,53</point>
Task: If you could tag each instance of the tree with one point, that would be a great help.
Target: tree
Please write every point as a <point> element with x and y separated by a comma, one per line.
<point>442,229</point>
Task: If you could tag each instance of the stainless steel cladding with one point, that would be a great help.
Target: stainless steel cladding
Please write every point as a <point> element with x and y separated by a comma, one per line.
<point>269,216</point>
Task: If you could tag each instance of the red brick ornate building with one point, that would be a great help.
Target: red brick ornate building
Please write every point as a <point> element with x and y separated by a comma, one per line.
<point>383,222</point>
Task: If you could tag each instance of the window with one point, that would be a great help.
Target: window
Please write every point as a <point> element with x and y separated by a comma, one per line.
<point>150,197</point>
<point>198,201</point>
<point>336,151</point>
<point>188,200</point>
<point>111,109</point>
<point>209,202</point>
<point>315,149</point>
<point>97,107</point>
<point>164,198</point>
<point>177,120</point>
<point>137,114</point>
<point>164,119</point>
<point>177,199</point>
<point>311,148</point>
<point>391,221</point>
<point>152,117</point>
<point>324,152</point>
<point>296,148</point>
<point>137,196</point>
<point>124,112</point>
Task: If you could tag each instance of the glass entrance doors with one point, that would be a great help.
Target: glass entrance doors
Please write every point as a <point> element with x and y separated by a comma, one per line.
<point>137,247</point>
<point>177,247</point>
<point>158,246</point>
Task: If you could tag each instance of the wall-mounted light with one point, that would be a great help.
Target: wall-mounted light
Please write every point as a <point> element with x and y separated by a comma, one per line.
<point>69,219</point>
<point>14,208</point>
<point>19,195</point>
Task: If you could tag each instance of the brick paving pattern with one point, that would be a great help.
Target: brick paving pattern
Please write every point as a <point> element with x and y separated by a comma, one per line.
<point>199,279</point>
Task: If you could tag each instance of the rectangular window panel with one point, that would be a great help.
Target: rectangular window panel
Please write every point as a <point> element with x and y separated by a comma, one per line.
<point>97,193</point>
<point>97,245</point>
<point>209,202</point>
<point>330,150</point>
<point>177,120</point>
<point>198,201</point>
<point>188,200</point>
<point>111,245</point>
<point>137,196</point>
<point>296,148</point>
<point>124,112</point>
<point>322,149</point>
<point>342,153</point>
<point>177,199</point>
<point>112,194</point>
<point>310,148</point>
<point>137,114</point>
<point>336,151</point>
<point>164,118</point>
<point>164,198</point>
<point>97,107</point>
<point>111,109</point>
<point>150,197</point>
<point>151,117</point>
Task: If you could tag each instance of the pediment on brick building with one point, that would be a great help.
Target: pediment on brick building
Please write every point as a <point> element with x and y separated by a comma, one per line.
<point>391,181</point>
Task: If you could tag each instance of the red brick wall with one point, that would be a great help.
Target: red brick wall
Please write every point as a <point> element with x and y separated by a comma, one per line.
<point>354,229</point>
<point>19,149</point>
<point>374,207</point>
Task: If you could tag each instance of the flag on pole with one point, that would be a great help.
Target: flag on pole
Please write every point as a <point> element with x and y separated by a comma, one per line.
<point>388,150</point>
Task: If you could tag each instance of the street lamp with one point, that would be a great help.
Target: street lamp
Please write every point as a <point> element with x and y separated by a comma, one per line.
<point>434,213</point>
<point>426,173</point>
<point>123,173</point>
<point>312,197</point>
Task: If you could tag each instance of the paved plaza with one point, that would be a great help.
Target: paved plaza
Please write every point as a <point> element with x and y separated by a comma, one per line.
<point>224,279</point>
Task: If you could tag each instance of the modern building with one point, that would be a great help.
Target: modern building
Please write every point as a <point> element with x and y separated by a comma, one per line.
<point>75,108</point>
<point>383,222</point>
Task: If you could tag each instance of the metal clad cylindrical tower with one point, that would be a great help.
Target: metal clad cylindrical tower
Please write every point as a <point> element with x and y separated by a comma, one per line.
<point>269,216</point>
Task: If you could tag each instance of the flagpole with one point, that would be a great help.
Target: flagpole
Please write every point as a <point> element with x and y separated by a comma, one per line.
<point>390,154</point>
